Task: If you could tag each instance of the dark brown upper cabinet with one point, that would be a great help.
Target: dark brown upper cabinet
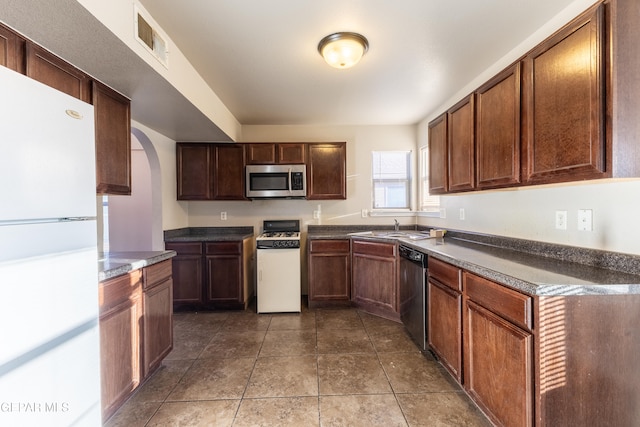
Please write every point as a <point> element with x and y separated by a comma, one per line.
<point>565,103</point>
<point>112,113</point>
<point>327,171</point>
<point>438,170</point>
<point>53,71</point>
<point>193,166</point>
<point>461,145</point>
<point>228,171</point>
<point>498,130</point>
<point>11,50</point>
<point>268,153</point>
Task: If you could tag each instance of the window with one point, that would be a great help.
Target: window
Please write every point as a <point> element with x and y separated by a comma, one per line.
<point>391,179</point>
<point>428,203</point>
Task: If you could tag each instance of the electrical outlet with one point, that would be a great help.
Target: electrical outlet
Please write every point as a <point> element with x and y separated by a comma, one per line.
<point>462,214</point>
<point>443,213</point>
<point>223,216</point>
<point>585,220</point>
<point>316,214</point>
<point>561,220</point>
<point>364,213</point>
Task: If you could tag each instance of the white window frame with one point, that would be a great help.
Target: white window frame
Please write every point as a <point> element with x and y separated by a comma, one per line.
<point>408,183</point>
<point>426,202</point>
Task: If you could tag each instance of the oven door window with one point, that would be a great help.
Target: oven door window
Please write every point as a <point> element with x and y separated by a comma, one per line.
<point>269,181</point>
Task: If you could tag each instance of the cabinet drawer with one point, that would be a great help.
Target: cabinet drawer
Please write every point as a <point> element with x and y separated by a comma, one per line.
<point>446,274</point>
<point>185,248</point>
<point>374,248</point>
<point>223,248</point>
<point>505,302</point>
<point>114,291</point>
<point>331,246</point>
<point>156,274</point>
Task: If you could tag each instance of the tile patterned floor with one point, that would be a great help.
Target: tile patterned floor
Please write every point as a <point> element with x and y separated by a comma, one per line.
<point>325,367</point>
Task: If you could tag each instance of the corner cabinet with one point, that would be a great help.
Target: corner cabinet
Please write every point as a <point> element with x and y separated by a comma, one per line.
<point>565,99</point>
<point>327,171</point>
<point>329,264</point>
<point>113,140</point>
<point>375,278</point>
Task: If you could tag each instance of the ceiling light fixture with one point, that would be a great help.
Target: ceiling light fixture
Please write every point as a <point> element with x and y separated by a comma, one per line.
<point>343,50</point>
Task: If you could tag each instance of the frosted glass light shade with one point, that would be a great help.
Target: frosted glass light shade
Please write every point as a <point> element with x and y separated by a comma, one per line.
<point>343,50</point>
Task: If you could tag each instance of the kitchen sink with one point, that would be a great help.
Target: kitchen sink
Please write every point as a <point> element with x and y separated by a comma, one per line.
<point>412,235</point>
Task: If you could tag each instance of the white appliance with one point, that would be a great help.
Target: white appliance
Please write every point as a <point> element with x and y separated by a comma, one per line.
<point>49,338</point>
<point>278,265</point>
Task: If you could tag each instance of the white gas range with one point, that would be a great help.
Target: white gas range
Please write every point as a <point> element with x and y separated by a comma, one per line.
<point>278,267</point>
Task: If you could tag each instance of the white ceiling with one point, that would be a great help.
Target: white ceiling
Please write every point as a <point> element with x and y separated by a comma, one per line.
<point>260,56</point>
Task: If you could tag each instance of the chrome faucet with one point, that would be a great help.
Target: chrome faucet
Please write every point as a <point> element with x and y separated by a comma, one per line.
<point>396,227</point>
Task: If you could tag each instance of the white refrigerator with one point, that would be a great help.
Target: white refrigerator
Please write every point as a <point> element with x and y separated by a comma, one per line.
<point>49,338</point>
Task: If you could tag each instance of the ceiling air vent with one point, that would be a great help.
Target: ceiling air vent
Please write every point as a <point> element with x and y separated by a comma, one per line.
<point>150,37</point>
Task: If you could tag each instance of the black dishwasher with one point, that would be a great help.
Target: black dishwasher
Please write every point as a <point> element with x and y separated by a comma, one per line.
<point>413,295</point>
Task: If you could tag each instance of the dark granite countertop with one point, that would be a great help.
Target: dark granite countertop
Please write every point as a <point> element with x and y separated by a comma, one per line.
<point>114,264</point>
<point>208,234</point>
<point>534,268</point>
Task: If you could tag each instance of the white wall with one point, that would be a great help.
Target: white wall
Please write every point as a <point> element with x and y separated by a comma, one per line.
<point>361,140</point>
<point>118,16</point>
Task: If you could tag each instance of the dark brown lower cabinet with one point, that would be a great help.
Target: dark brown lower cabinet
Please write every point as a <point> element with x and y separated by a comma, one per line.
<point>136,330</point>
<point>329,263</point>
<point>120,339</point>
<point>210,275</point>
<point>445,326</point>
<point>374,286</point>
<point>187,272</point>
<point>158,314</point>
<point>498,350</point>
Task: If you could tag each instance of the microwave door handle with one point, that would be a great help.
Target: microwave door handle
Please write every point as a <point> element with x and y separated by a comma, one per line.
<point>290,187</point>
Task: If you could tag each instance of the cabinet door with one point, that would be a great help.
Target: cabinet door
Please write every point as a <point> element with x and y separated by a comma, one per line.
<point>329,271</point>
<point>228,172</point>
<point>461,145</point>
<point>565,103</point>
<point>113,140</point>
<point>224,274</point>
<point>291,153</point>
<point>498,130</point>
<point>438,169</point>
<point>445,326</point>
<point>47,68</point>
<point>194,172</point>
<point>187,271</point>
<point>120,354</point>
<point>498,366</point>
<point>11,50</point>
<point>326,171</point>
<point>158,324</point>
<point>261,153</point>
<point>375,278</point>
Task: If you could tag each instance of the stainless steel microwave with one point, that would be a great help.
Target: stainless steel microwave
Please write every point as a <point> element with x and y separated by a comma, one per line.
<point>276,181</point>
